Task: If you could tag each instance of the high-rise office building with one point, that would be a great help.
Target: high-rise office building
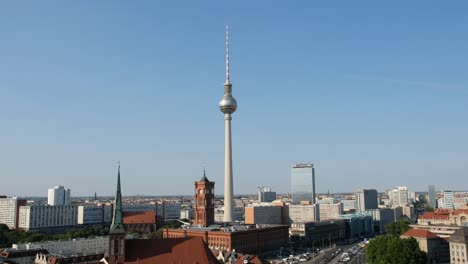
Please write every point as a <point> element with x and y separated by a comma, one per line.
<point>399,196</point>
<point>432,196</point>
<point>303,182</point>
<point>265,195</point>
<point>366,199</point>
<point>228,106</point>
<point>58,195</point>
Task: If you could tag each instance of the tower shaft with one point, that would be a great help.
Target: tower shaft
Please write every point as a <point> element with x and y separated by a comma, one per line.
<point>228,179</point>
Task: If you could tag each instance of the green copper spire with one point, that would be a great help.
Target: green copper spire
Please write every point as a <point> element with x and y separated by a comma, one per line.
<point>117,221</point>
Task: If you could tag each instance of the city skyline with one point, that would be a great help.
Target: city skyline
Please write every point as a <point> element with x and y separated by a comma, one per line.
<point>81,94</point>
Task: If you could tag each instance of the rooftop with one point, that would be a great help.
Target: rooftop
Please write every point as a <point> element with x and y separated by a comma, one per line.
<point>420,234</point>
<point>144,217</point>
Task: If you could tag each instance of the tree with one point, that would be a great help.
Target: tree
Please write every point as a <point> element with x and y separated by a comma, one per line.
<point>429,208</point>
<point>397,228</point>
<point>158,234</point>
<point>390,249</point>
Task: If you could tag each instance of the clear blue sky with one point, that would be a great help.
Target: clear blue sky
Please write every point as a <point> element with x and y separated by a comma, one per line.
<point>374,94</point>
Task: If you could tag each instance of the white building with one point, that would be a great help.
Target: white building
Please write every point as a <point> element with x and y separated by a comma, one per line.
<point>238,214</point>
<point>326,200</point>
<point>58,195</point>
<point>42,217</point>
<point>348,205</point>
<point>330,211</point>
<point>399,196</point>
<point>448,200</point>
<point>9,211</point>
<point>79,246</point>
<point>304,213</point>
<point>186,213</point>
<point>459,246</point>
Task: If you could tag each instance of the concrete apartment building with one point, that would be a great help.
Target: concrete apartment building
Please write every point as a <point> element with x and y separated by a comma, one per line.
<point>399,196</point>
<point>448,199</point>
<point>348,205</point>
<point>330,211</point>
<point>9,211</point>
<point>45,217</point>
<point>78,246</point>
<point>304,213</point>
<point>58,195</point>
<point>263,214</point>
<point>366,199</point>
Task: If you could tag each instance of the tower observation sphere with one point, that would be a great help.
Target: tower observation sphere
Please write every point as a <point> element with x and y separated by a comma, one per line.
<point>228,104</point>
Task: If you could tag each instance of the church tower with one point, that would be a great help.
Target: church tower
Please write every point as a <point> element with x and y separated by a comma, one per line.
<point>117,230</point>
<point>204,202</point>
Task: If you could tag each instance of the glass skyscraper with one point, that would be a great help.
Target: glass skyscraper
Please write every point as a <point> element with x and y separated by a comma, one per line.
<point>303,182</point>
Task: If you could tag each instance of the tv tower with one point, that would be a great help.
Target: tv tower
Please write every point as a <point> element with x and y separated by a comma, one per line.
<point>228,105</point>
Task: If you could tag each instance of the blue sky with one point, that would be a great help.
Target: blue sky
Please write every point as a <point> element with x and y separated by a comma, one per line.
<point>374,94</point>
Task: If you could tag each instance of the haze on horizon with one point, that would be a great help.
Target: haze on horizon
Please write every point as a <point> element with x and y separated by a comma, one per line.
<point>374,94</point>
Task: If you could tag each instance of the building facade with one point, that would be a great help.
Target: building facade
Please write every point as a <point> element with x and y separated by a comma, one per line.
<point>436,248</point>
<point>366,199</point>
<point>330,211</point>
<point>303,183</point>
<point>459,246</point>
<point>168,210</point>
<point>244,238</point>
<point>358,224</point>
<point>58,195</point>
<point>204,202</point>
<point>237,214</point>
<point>266,195</point>
<point>399,196</point>
<point>263,214</point>
<point>40,217</point>
<point>432,198</point>
<point>78,246</point>
<point>9,211</point>
<point>348,205</point>
<point>94,214</point>
<point>304,213</point>
<point>324,232</point>
<point>381,217</point>
<point>457,217</point>
<point>448,197</point>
